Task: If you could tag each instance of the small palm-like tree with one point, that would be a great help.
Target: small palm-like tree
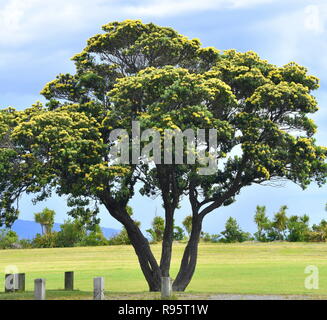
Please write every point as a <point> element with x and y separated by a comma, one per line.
<point>262,222</point>
<point>280,222</point>
<point>46,219</point>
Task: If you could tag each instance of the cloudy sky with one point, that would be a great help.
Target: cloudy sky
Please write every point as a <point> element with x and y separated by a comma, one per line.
<point>38,38</point>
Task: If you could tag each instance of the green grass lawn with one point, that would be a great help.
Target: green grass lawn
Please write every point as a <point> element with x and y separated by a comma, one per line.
<point>253,268</point>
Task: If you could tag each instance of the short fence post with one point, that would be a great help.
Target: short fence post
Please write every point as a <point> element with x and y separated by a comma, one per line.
<point>11,282</point>
<point>21,282</point>
<point>39,289</point>
<point>166,287</point>
<point>69,280</point>
<point>98,292</point>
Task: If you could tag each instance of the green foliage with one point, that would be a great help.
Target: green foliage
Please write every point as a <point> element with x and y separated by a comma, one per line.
<point>25,244</point>
<point>187,223</point>
<point>271,230</point>
<point>233,232</point>
<point>263,223</point>
<point>279,223</point>
<point>292,229</point>
<point>178,233</point>
<point>120,239</point>
<point>46,219</point>
<point>94,237</point>
<point>71,234</point>
<point>319,232</point>
<point>298,227</point>
<point>8,239</point>
<point>81,211</point>
<point>207,237</point>
<point>157,230</point>
<point>47,240</point>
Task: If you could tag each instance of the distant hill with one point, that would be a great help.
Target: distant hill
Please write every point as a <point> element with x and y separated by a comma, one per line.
<point>28,229</point>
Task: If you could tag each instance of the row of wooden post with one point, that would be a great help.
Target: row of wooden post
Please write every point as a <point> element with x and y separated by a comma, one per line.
<point>16,283</point>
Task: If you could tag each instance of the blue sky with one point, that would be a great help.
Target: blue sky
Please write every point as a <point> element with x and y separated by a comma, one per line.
<point>38,38</point>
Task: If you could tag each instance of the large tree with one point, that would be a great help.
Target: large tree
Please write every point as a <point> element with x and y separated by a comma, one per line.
<point>151,74</point>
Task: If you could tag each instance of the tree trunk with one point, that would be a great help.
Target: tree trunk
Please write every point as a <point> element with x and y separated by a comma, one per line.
<point>148,263</point>
<point>190,255</point>
<point>167,243</point>
<point>170,198</point>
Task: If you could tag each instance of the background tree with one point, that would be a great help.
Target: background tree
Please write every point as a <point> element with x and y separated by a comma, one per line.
<point>280,223</point>
<point>187,223</point>
<point>178,233</point>
<point>233,232</point>
<point>298,227</point>
<point>47,240</point>
<point>318,232</point>
<point>157,230</point>
<point>46,219</point>
<point>8,238</point>
<point>263,224</point>
<point>71,233</point>
<point>94,237</point>
<point>135,71</point>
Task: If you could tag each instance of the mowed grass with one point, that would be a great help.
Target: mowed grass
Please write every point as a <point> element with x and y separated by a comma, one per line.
<point>248,268</point>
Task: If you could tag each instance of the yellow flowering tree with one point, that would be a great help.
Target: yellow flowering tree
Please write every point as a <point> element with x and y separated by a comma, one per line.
<point>165,81</point>
<point>260,113</point>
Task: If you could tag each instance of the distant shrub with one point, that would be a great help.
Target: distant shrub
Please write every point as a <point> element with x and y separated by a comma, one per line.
<point>120,238</point>
<point>178,233</point>
<point>187,223</point>
<point>314,236</point>
<point>94,238</point>
<point>206,237</point>
<point>233,232</point>
<point>157,230</point>
<point>71,234</point>
<point>8,238</point>
<point>298,227</point>
<point>319,232</point>
<point>25,243</point>
<point>47,240</point>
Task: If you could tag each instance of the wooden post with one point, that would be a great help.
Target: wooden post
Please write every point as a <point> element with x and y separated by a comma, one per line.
<point>166,287</point>
<point>39,289</point>
<point>98,292</point>
<point>69,280</point>
<point>21,282</point>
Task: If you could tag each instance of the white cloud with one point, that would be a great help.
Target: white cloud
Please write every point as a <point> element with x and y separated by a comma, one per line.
<point>299,35</point>
<point>159,8</point>
<point>248,3</point>
<point>24,20</point>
